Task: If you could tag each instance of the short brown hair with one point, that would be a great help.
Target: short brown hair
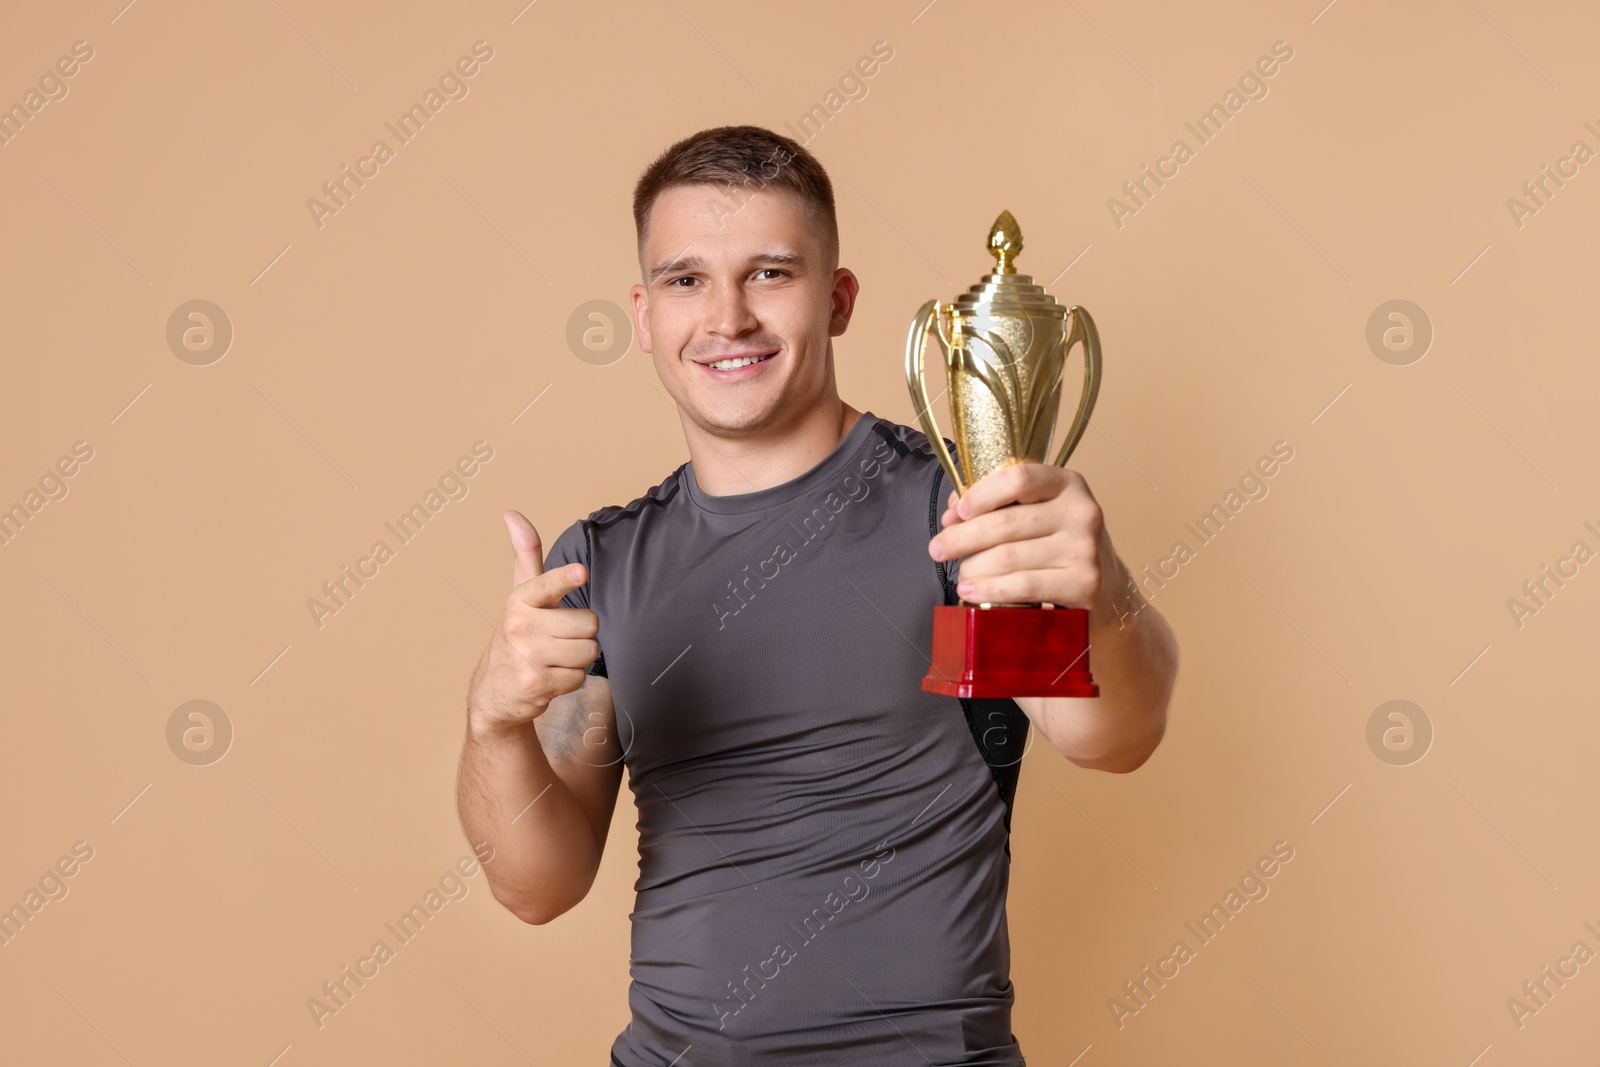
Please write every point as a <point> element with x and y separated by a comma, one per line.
<point>734,156</point>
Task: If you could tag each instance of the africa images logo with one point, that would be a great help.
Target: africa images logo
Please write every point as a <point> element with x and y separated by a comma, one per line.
<point>1252,886</point>
<point>742,589</point>
<point>454,484</point>
<point>453,84</point>
<point>1140,191</point>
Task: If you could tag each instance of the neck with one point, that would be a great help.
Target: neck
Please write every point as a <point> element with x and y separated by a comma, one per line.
<point>725,466</point>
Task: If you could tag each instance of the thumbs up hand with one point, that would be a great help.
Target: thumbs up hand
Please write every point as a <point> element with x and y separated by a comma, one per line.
<point>540,650</point>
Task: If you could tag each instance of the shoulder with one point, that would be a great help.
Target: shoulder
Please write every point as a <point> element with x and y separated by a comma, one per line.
<point>615,527</point>
<point>924,485</point>
<point>902,440</point>
<point>640,509</point>
<point>576,542</point>
<point>899,445</point>
<point>619,521</point>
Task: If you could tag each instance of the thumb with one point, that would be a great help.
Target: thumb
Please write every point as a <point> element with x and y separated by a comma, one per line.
<point>526,551</point>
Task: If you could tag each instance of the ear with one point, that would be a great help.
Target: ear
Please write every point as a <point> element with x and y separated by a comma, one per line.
<point>845,288</point>
<point>641,317</point>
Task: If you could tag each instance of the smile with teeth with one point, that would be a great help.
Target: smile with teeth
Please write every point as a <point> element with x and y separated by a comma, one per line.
<point>738,361</point>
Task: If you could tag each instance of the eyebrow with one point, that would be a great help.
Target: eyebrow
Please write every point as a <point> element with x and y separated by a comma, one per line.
<point>691,262</point>
<point>782,259</point>
<point>676,263</point>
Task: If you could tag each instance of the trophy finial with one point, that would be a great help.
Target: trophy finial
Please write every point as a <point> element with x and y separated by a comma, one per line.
<point>1005,243</point>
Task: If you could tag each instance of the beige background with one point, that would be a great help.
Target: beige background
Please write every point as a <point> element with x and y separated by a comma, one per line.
<point>370,353</point>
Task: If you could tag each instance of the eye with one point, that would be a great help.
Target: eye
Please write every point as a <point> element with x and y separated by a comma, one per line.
<point>771,272</point>
<point>682,282</point>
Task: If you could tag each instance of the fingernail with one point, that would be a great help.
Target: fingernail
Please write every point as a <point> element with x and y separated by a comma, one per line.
<point>964,588</point>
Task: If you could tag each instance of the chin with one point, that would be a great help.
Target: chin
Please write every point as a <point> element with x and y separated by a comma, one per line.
<point>736,418</point>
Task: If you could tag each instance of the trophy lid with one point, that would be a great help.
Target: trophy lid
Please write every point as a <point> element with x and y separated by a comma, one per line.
<point>1006,291</point>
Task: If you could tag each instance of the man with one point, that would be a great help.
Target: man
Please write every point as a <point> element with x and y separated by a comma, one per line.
<point>824,847</point>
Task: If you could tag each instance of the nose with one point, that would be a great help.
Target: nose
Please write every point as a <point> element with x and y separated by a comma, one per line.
<point>731,315</point>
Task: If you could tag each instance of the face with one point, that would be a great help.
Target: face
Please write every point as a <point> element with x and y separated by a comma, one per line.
<point>739,306</point>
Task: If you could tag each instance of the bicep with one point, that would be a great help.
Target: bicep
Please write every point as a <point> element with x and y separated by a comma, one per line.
<point>578,733</point>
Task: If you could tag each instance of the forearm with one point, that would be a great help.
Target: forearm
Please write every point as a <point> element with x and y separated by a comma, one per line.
<point>1134,659</point>
<point>508,794</point>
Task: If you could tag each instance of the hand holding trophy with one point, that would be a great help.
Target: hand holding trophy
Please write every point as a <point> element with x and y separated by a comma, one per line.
<point>1005,343</point>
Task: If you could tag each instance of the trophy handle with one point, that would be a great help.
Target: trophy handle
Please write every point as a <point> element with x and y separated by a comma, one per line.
<point>916,341</point>
<point>1082,330</point>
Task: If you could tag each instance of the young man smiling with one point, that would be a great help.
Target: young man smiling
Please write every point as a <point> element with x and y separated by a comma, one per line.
<point>823,847</point>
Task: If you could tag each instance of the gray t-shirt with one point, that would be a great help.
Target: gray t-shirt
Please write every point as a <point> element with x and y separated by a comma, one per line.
<point>823,847</point>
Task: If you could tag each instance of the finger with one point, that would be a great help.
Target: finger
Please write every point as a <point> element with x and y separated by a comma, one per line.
<point>576,654</point>
<point>1019,522</point>
<point>571,623</point>
<point>527,555</point>
<point>1021,587</point>
<point>1038,554</point>
<point>1025,483</point>
<point>546,590</point>
<point>563,679</point>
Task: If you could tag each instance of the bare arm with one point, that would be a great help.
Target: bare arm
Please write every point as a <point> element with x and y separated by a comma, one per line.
<point>542,794</point>
<point>540,764</point>
<point>1134,658</point>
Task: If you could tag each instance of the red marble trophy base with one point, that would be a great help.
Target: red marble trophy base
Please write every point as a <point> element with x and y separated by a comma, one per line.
<point>1010,652</point>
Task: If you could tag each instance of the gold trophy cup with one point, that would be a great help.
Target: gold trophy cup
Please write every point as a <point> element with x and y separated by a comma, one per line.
<point>1005,343</point>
